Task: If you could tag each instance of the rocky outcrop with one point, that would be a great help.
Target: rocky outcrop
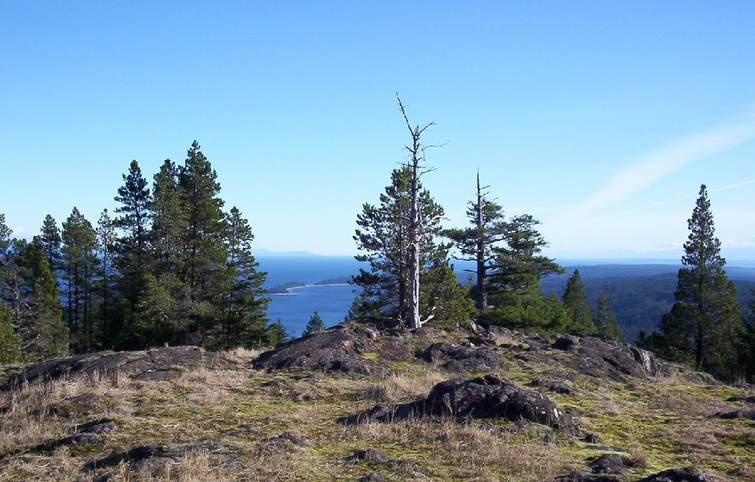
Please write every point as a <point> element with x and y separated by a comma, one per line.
<point>554,386</point>
<point>77,405</point>
<point>104,425</point>
<point>585,477</point>
<point>742,399</point>
<point>368,455</point>
<point>461,358</point>
<point>155,458</point>
<point>377,457</point>
<point>748,414</point>
<point>486,397</point>
<point>601,358</point>
<point>684,474</point>
<point>284,442</point>
<point>337,350</point>
<point>610,464</point>
<point>156,364</point>
<point>75,440</point>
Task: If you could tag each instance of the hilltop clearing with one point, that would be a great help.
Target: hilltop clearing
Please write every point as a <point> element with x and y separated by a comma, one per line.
<point>359,403</point>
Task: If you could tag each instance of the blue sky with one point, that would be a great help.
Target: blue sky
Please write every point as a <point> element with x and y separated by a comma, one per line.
<point>600,118</point>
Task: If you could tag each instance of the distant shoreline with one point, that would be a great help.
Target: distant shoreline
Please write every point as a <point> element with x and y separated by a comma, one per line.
<point>287,291</point>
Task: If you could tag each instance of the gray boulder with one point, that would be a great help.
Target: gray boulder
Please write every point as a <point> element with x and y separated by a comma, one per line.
<point>683,474</point>
<point>331,351</point>
<point>486,397</point>
<point>155,364</point>
<point>461,358</point>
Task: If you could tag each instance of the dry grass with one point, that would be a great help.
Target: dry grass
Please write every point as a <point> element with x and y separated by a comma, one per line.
<point>35,413</point>
<point>483,451</point>
<point>399,387</point>
<point>662,425</point>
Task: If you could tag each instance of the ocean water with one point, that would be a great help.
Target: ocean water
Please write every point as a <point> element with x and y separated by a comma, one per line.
<point>294,308</point>
<point>332,302</point>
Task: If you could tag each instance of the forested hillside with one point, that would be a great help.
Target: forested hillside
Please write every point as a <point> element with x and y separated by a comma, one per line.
<point>639,297</point>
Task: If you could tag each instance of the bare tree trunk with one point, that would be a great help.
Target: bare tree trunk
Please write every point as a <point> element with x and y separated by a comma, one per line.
<point>414,320</point>
<point>482,295</point>
<point>416,151</point>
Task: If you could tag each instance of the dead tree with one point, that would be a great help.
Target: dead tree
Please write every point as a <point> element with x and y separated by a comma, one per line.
<point>415,163</point>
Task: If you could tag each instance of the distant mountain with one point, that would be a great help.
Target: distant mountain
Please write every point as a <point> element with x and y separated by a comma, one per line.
<point>640,294</point>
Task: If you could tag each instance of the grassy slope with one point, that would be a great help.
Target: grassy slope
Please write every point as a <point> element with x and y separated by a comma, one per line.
<point>661,423</point>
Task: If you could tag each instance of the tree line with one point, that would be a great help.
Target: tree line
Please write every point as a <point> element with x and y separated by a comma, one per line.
<point>168,266</point>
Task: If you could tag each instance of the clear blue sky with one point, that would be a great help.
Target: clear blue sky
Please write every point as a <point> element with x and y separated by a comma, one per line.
<point>601,119</point>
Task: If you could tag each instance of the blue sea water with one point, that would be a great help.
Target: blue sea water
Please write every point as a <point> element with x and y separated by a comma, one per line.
<point>332,302</point>
<point>294,309</point>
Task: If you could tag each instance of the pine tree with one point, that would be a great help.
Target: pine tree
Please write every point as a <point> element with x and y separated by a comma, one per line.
<point>576,303</point>
<point>50,240</point>
<point>747,348</point>
<point>605,318</point>
<point>478,242</point>
<point>6,271</point>
<point>276,333</point>
<point>384,242</point>
<point>133,222</point>
<point>245,319</point>
<point>704,325</point>
<point>314,325</point>
<point>156,320</point>
<point>514,281</point>
<point>519,265</point>
<point>12,291</point>
<point>10,342</point>
<point>80,268</point>
<point>5,234</point>
<point>47,334</point>
<point>106,239</point>
<point>448,303</point>
<point>168,220</point>
<point>204,264</point>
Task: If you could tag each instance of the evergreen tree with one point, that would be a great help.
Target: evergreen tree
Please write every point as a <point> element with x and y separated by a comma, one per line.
<point>383,240</point>
<point>204,264</point>
<point>10,342</point>
<point>747,348</point>
<point>276,333</point>
<point>5,234</point>
<point>168,220</point>
<point>245,319</point>
<point>156,319</point>
<point>514,282</point>
<point>133,222</point>
<point>314,325</point>
<point>479,241</point>
<point>80,268</point>
<point>519,264</point>
<point>7,274</point>
<point>50,240</point>
<point>605,318</point>
<point>704,325</point>
<point>46,333</point>
<point>447,302</point>
<point>577,305</point>
<point>106,240</point>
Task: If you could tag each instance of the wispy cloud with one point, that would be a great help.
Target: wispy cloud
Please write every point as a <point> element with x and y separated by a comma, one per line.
<point>648,169</point>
